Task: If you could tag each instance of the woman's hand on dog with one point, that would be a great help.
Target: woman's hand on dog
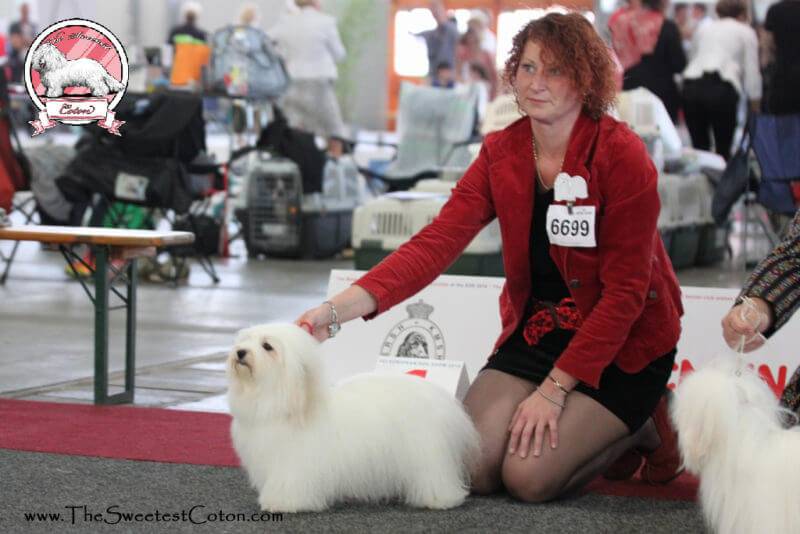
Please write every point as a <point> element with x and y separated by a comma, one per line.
<point>316,321</point>
<point>748,321</point>
<point>534,415</point>
<point>351,303</point>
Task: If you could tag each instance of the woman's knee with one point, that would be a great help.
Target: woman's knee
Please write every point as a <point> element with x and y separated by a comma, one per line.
<point>527,484</point>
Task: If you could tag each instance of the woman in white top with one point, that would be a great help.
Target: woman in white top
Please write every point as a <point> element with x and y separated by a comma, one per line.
<point>310,44</point>
<point>723,68</point>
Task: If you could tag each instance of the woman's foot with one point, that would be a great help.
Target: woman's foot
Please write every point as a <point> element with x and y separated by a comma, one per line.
<point>663,464</point>
<point>625,466</point>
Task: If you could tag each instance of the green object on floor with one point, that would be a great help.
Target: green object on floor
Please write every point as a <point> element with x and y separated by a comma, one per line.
<point>124,215</point>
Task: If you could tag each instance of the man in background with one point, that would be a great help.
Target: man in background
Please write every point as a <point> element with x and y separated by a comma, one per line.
<point>190,12</point>
<point>442,40</point>
<point>21,34</point>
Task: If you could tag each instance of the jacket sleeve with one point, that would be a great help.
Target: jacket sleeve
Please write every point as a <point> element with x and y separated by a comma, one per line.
<point>626,233</point>
<point>333,42</point>
<point>776,278</point>
<point>434,248</point>
<point>752,70</point>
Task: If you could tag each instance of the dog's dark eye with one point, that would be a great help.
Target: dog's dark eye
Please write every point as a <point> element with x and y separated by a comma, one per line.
<point>266,346</point>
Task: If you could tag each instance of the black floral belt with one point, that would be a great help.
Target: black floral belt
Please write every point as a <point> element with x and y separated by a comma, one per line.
<point>547,317</point>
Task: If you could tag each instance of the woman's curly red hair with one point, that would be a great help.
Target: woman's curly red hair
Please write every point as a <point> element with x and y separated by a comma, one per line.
<point>570,42</point>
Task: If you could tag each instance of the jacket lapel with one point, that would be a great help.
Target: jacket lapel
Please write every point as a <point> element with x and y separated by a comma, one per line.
<point>576,163</point>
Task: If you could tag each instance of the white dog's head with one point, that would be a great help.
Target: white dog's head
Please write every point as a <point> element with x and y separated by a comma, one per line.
<point>47,58</point>
<point>274,372</point>
<point>713,407</point>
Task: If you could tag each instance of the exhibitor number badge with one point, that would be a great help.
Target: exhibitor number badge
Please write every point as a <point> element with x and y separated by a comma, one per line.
<point>571,228</point>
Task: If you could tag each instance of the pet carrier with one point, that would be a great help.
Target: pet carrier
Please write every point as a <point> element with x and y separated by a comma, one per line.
<point>382,225</point>
<point>279,219</point>
<point>667,218</point>
<point>691,193</point>
<point>713,239</point>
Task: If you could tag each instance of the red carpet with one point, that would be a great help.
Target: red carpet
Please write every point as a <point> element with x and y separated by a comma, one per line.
<point>173,436</point>
<point>123,432</point>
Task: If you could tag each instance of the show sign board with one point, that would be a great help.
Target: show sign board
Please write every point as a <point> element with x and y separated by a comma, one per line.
<point>457,318</point>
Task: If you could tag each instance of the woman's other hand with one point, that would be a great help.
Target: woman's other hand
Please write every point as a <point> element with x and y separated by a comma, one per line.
<point>537,413</point>
<point>747,321</point>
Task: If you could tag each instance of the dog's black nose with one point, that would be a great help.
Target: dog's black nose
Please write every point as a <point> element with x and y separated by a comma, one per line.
<point>241,354</point>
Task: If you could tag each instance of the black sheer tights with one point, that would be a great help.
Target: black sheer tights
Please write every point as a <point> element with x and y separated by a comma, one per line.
<point>590,439</point>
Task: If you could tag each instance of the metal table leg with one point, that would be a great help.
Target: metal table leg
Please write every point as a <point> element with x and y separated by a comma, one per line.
<point>101,296</point>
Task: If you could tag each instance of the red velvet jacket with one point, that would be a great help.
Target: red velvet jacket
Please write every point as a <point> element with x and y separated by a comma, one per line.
<point>625,288</point>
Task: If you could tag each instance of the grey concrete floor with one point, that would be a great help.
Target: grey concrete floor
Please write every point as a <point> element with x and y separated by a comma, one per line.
<point>46,323</point>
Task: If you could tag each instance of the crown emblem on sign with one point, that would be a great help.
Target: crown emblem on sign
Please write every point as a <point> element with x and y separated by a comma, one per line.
<point>419,310</point>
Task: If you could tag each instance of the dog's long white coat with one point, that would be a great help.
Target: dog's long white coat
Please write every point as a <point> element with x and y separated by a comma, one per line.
<point>375,437</point>
<point>731,436</point>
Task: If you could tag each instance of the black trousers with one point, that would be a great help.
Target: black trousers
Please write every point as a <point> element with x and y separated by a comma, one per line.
<point>709,104</point>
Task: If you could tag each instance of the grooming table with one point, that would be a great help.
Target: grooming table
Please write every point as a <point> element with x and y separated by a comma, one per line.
<point>106,244</point>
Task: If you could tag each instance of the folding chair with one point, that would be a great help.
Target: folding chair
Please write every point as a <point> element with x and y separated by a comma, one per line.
<point>24,204</point>
<point>775,140</point>
<point>150,164</point>
<point>434,126</point>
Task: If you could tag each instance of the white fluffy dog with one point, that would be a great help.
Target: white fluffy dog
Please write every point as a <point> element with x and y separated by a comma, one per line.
<point>57,73</point>
<point>374,437</point>
<point>731,435</point>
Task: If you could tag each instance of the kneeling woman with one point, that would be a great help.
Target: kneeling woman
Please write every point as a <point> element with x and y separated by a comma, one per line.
<point>591,307</point>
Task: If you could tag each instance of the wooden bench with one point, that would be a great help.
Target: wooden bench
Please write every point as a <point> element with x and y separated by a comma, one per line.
<point>107,244</point>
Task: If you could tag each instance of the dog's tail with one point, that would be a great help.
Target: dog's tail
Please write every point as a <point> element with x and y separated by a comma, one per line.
<point>114,86</point>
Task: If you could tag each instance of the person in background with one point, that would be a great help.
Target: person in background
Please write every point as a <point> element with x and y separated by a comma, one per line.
<point>469,52</point>
<point>479,78</point>
<point>767,301</point>
<point>248,15</point>
<point>724,69</point>
<point>21,34</point>
<point>479,22</point>
<point>444,76</point>
<point>190,12</point>
<point>441,41</point>
<point>782,38</point>
<point>700,16</point>
<point>579,372</point>
<point>650,50</point>
<point>311,46</point>
<point>685,25</point>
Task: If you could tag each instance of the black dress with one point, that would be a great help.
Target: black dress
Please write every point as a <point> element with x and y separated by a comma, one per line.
<point>631,397</point>
<point>657,71</point>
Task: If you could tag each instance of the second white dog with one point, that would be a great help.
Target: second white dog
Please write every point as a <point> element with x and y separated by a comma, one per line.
<point>373,438</point>
<point>730,434</point>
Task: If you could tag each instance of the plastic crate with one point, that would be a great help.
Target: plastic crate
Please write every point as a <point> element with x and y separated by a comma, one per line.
<point>713,244</point>
<point>382,225</point>
<point>280,220</point>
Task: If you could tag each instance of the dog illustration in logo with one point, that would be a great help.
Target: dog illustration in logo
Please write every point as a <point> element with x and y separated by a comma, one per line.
<point>413,346</point>
<point>57,73</point>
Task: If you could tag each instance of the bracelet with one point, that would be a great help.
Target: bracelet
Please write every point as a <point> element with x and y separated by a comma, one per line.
<point>558,384</point>
<point>551,400</point>
<point>334,326</point>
